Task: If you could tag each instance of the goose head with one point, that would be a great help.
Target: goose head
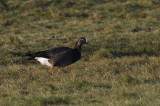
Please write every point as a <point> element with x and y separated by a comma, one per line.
<point>80,42</point>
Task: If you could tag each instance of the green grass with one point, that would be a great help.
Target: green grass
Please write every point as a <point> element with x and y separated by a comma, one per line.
<point>120,67</point>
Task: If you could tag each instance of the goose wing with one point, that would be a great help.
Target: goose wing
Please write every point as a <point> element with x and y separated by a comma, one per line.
<point>49,53</point>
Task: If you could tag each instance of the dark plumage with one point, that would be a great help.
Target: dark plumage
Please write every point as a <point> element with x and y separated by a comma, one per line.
<point>60,56</point>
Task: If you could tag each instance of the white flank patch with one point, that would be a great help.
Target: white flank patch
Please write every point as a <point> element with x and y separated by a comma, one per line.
<point>86,40</point>
<point>43,60</point>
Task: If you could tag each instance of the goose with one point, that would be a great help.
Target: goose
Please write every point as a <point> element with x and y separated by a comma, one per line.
<point>60,56</point>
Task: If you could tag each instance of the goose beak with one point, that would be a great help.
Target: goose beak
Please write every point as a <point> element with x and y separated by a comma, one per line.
<point>87,42</point>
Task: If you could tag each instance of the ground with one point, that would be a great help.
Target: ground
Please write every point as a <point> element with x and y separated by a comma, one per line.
<point>120,67</point>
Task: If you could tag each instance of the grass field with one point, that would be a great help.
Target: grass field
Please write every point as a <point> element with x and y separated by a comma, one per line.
<point>121,66</point>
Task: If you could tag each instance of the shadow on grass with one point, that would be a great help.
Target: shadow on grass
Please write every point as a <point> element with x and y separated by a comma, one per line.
<point>55,100</point>
<point>21,59</point>
<point>133,52</point>
<point>107,86</point>
<point>152,81</point>
<point>120,49</point>
<point>17,54</point>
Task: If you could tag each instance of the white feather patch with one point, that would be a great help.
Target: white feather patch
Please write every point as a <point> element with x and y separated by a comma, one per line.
<point>86,40</point>
<point>43,60</point>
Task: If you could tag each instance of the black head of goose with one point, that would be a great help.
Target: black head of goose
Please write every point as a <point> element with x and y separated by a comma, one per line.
<point>60,56</point>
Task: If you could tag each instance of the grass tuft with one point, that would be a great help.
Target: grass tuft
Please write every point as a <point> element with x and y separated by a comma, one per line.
<point>53,88</point>
<point>14,40</point>
<point>129,79</point>
<point>80,85</point>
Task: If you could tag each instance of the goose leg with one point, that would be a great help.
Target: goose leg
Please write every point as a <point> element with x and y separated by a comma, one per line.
<point>51,68</point>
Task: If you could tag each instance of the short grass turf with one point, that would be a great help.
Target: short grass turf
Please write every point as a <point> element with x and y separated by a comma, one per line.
<point>120,67</point>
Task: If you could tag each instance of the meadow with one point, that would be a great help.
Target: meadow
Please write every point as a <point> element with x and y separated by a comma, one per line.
<point>121,66</point>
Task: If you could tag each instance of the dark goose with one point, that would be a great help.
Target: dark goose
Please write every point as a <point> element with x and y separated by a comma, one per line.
<point>60,56</point>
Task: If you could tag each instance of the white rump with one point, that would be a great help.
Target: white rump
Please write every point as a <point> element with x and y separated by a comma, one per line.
<point>43,60</point>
